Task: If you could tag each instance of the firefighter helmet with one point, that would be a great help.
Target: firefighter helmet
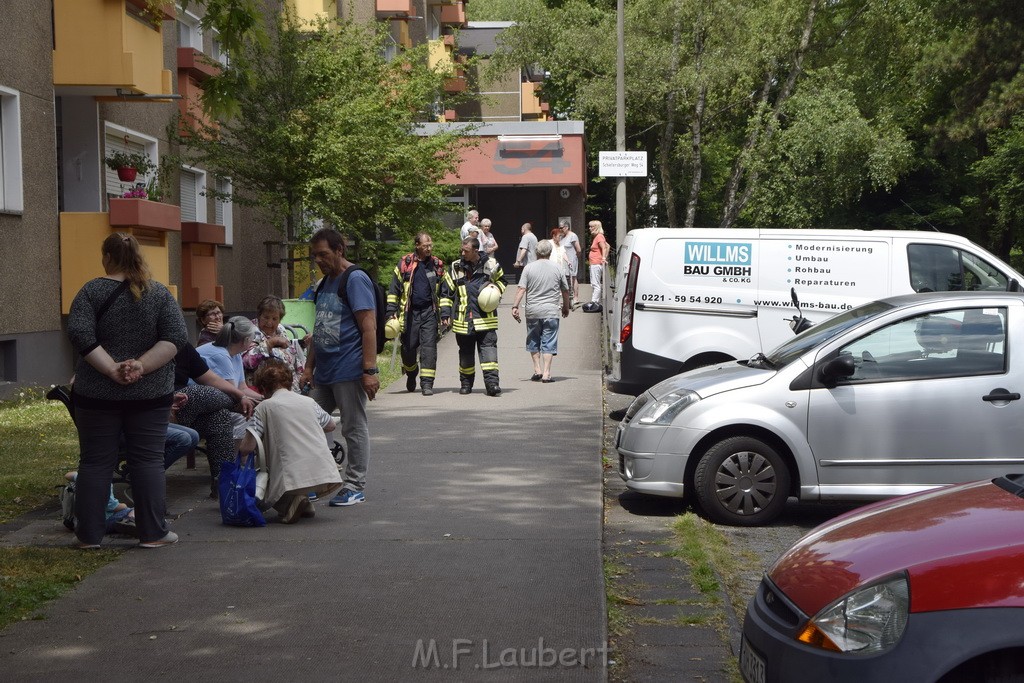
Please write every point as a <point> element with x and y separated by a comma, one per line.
<point>489,298</point>
<point>391,328</point>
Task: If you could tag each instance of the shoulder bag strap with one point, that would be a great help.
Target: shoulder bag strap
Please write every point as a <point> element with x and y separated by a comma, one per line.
<point>110,299</point>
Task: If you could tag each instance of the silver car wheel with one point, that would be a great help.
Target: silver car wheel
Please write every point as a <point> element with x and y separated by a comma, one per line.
<point>745,483</point>
<point>741,481</point>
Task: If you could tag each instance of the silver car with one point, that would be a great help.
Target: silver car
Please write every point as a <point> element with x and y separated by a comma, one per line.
<point>893,397</point>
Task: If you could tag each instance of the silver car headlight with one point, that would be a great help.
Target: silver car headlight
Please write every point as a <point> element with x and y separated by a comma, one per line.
<point>638,403</point>
<point>868,620</point>
<point>661,411</point>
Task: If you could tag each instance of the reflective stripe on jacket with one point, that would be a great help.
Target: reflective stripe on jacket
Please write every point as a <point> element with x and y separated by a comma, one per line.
<point>460,289</point>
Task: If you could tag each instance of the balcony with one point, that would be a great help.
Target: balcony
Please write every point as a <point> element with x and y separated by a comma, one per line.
<point>82,234</point>
<point>456,83</point>
<point>143,213</point>
<point>105,46</point>
<point>454,14</point>
<point>395,7</point>
<point>196,64</point>
<point>439,56</point>
<point>193,69</point>
<point>199,263</point>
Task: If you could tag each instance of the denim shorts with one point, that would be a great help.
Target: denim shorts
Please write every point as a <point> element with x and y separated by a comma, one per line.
<point>542,335</point>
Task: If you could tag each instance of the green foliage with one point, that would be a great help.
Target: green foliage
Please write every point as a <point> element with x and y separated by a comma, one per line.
<point>825,156</point>
<point>1002,174</point>
<point>137,160</point>
<point>323,129</point>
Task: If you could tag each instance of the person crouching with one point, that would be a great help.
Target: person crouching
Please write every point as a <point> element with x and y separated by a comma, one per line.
<point>292,428</point>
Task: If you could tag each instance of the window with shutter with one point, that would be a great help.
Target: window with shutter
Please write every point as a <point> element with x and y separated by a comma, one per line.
<point>189,195</point>
<point>223,210</point>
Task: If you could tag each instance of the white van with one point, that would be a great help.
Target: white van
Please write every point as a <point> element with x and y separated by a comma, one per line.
<point>689,297</point>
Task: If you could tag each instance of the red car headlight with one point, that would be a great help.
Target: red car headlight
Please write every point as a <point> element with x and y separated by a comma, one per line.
<point>868,620</point>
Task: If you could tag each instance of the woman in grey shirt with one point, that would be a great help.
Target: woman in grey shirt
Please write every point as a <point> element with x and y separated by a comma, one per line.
<point>127,328</point>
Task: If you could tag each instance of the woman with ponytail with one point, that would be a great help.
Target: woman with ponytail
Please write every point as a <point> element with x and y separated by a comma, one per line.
<point>126,328</point>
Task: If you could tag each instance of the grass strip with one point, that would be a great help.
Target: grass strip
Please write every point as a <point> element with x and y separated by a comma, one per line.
<point>31,577</point>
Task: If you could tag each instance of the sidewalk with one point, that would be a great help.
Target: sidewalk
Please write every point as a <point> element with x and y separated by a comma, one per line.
<point>477,554</point>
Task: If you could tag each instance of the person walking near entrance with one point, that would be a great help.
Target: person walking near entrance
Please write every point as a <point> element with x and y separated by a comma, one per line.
<point>527,247</point>
<point>341,364</point>
<point>546,289</point>
<point>472,223</point>
<point>571,242</point>
<point>413,299</point>
<point>474,328</point>
<point>598,259</point>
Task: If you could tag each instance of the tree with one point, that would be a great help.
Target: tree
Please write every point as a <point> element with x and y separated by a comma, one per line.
<point>324,130</point>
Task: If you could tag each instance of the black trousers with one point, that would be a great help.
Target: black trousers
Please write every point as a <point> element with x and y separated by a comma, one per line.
<point>99,437</point>
<point>420,335</point>
<point>487,343</point>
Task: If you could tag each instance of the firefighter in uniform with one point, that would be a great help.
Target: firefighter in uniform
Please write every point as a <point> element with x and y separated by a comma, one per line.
<point>413,298</point>
<point>473,328</point>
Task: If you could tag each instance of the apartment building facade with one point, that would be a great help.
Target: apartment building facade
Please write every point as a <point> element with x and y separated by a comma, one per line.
<point>82,79</point>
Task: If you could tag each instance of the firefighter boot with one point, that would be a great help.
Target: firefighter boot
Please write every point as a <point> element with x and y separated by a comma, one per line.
<point>493,390</point>
<point>427,388</point>
<point>466,388</point>
<point>410,381</point>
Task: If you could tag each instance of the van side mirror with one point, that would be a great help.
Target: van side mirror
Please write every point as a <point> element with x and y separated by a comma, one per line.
<point>838,367</point>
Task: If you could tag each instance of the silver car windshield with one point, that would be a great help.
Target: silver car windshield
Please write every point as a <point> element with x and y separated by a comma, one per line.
<point>789,351</point>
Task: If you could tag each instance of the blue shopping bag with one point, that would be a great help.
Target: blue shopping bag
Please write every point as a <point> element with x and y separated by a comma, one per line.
<point>237,486</point>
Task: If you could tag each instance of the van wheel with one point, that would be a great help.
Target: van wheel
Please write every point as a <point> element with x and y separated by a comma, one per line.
<point>741,481</point>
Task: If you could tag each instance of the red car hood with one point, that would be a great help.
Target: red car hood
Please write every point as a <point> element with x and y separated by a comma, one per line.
<point>962,546</point>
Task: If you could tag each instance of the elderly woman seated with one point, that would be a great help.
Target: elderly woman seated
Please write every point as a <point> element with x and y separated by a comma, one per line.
<point>292,430</point>
<point>209,320</point>
<point>271,341</point>
<point>224,356</point>
<point>210,407</point>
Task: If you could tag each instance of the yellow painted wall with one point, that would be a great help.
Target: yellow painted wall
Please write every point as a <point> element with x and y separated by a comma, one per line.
<point>439,58</point>
<point>311,10</point>
<point>98,44</point>
<point>82,235</point>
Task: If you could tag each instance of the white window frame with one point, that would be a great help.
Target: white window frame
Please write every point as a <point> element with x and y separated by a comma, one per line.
<point>12,196</point>
<point>200,194</point>
<point>433,22</point>
<point>149,144</point>
<point>227,208</point>
<point>217,50</point>
<point>195,31</point>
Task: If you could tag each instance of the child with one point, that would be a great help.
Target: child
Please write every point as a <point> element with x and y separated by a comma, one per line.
<point>120,519</point>
<point>292,428</point>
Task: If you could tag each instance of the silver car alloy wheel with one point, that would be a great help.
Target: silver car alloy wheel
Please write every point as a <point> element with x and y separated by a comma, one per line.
<point>745,482</point>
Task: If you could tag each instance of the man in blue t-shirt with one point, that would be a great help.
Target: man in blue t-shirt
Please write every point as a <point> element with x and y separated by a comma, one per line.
<point>341,365</point>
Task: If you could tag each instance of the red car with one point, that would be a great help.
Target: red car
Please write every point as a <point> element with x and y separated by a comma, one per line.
<point>928,587</point>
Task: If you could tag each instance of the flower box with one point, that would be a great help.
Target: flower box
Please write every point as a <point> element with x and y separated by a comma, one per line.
<point>142,213</point>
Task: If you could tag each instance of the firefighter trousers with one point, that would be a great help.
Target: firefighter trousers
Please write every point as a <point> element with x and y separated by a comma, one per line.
<point>487,343</point>
<point>420,335</point>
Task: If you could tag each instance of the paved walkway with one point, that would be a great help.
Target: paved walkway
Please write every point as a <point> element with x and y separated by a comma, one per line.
<point>477,554</point>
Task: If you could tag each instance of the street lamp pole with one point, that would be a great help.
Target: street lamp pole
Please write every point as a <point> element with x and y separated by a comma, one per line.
<point>620,116</point>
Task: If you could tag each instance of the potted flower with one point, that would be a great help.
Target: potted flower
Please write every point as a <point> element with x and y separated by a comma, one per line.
<point>129,164</point>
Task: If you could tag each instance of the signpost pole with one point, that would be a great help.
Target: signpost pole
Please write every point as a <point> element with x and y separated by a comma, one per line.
<point>620,116</point>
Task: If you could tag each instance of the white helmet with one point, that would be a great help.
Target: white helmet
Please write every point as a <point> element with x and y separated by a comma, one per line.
<point>489,298</point>
<point>391,328</point>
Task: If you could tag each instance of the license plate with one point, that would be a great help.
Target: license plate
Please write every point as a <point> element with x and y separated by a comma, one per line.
<point>751,664</point>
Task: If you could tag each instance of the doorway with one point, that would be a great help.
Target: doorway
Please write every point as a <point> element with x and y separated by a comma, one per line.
<point>508,208</point>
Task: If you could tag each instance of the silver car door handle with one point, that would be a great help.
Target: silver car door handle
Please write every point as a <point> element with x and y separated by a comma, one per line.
<point>1001,395</point>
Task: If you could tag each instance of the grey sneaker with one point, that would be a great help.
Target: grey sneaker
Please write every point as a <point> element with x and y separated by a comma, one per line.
<point>170,539</point>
